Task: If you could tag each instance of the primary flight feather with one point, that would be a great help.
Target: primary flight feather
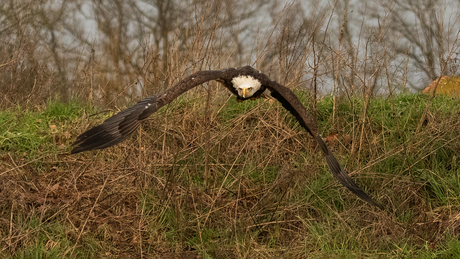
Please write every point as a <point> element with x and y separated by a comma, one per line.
<point>245,83</point>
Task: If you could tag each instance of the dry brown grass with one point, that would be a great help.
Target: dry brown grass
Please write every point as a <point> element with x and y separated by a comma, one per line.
<point>157,194</point>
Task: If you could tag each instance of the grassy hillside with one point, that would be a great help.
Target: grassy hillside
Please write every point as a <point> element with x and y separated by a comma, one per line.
<point>233,180</point>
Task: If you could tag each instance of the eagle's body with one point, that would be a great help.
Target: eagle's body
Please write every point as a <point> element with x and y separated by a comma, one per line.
<point>245,83</point>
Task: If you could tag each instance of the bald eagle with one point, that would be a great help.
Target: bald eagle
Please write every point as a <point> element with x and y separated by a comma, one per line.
<point>245,83</point>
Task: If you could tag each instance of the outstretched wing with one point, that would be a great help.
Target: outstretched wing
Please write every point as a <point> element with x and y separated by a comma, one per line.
<point>290,101</point>
<point>120,126</point>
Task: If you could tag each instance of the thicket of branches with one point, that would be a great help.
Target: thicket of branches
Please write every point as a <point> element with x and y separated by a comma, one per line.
<point>100,50</point>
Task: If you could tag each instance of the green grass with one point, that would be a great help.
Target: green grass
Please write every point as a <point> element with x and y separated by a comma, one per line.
<point>235,109</point>
<point>34,132</point>
<point>48,240</point>
<point>269,192</point>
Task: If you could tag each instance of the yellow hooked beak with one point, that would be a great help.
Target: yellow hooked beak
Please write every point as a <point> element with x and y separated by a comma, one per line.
<point>245,91</point>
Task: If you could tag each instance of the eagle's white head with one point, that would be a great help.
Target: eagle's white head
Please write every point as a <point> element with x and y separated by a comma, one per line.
<point>246,86</point>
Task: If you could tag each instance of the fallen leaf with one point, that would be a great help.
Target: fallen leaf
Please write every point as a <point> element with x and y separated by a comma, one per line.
<point>67,135</point>
<point>331,138</point>
<point>54,187</point>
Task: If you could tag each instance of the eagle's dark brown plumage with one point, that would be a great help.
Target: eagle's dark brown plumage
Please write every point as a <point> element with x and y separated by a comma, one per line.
<point>120,126</point>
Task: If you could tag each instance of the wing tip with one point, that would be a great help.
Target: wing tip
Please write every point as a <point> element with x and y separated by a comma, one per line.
<point>342,176</point>
<point>79,149</point>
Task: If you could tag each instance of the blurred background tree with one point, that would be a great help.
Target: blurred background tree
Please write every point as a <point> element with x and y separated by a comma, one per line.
<point>108,52</point>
